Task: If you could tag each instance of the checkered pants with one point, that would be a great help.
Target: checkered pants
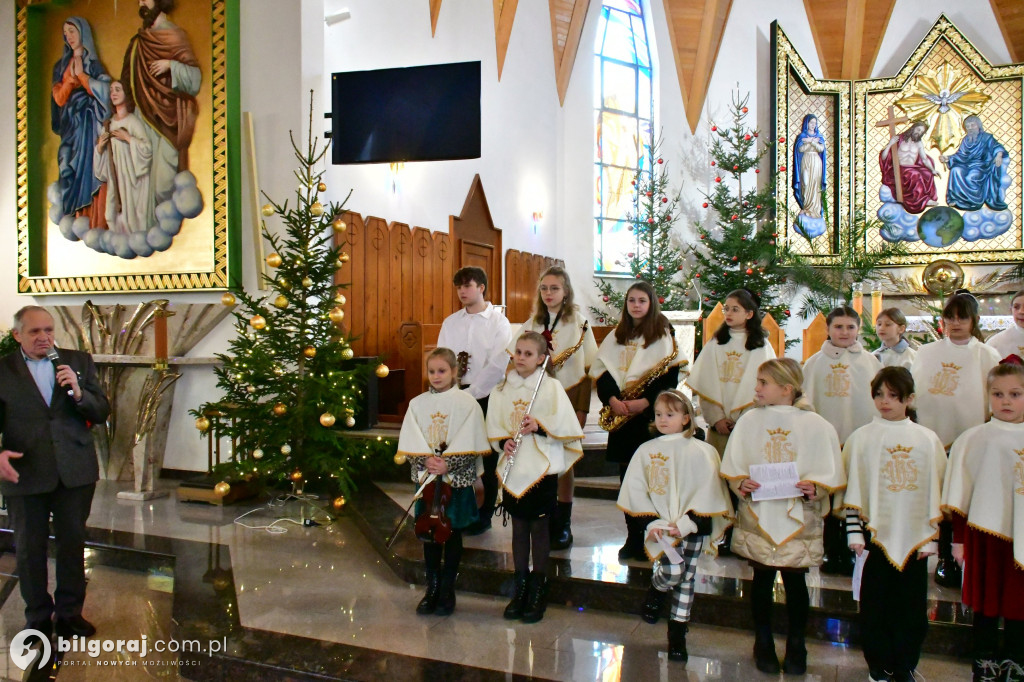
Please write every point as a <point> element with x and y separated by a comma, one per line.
<point>678,578</point>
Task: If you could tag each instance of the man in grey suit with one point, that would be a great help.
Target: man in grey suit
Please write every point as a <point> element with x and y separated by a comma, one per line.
<point>48,466</point>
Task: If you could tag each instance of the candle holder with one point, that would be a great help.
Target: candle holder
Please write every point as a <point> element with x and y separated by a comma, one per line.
<point>160,316</point>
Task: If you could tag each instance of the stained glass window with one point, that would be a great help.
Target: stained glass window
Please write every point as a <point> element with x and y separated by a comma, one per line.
<point>623,111</point>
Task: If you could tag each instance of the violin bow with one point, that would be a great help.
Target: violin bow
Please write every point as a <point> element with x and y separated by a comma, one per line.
<point>408,510</point>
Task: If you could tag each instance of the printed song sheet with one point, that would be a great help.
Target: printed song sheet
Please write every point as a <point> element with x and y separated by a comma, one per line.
<point>778,481</point>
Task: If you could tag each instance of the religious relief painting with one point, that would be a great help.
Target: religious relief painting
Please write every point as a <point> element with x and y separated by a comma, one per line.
<point>123,161</point>
<point>935,155</point>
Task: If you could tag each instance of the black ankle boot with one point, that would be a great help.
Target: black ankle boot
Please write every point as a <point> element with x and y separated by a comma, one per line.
<point>987,669</point>
<point>561,526</point>
<point>446,595</point>
<point>514,610</point>
<point>765,658</point>
<point>536,597</point>
<point>651,609</point>
<point>796,655</point>
<point>677,640</point>
<point>428,604</point>
<point>948,573</point>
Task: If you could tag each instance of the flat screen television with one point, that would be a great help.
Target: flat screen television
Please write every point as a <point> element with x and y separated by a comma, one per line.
<point>417,113</point>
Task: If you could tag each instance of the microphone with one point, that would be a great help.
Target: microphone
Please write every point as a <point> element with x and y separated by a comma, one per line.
<point>53,356</point>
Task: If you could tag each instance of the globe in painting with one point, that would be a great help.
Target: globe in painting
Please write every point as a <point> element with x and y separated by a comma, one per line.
<point>940,226</point>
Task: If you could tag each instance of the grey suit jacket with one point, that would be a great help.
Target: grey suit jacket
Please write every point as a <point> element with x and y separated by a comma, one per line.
<point>54,439</point>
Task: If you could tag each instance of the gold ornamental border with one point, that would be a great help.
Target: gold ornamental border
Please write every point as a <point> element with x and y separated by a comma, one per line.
<point>216,279</point>
<point>789,68</point>
<point>942,31</point>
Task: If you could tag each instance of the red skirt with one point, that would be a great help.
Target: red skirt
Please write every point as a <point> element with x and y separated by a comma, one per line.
<point>993,582</point>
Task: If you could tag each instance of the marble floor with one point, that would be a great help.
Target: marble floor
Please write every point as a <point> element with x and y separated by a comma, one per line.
<point>324,590</point>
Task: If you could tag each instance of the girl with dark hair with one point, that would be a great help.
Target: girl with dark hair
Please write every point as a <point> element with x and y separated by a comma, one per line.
<point>894,471</point>
<point>1011,341</point>
<point>983,493</point>
<point>573,349</point>
<point>895,350</point>
<point>634,365</point>
<point>782,534</point>
<point>725,371</point>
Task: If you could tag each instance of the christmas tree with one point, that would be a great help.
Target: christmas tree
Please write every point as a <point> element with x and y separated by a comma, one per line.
<point>658,257</point>
<point>287,394</point>
<point>738,244</point>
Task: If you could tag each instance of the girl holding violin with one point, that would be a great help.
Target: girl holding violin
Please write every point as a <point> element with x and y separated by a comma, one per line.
<point>444,439</point>
<point>533,426</point>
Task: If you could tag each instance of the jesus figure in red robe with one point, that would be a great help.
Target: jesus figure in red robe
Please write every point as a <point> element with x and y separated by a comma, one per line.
<point>917,170</point>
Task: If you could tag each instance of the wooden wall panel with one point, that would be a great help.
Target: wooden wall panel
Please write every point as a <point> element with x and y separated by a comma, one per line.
<point>422,274</point>
<point>400,287</point>
<point>815,335</point>
<point>445,300</point>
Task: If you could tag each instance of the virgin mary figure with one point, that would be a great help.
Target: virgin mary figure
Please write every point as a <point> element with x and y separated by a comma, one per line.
<point>809,168</point>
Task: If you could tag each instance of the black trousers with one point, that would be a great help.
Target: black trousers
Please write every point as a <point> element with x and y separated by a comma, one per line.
<point>893,611</point>
<point>490,477</point>
<point>30,516</point>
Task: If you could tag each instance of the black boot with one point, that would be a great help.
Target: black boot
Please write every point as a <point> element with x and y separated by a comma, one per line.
<point>514,610</point>
<point>765,658</point>
<point>796,655</point>
<point>987,670</point>
<point>536,597</point>
<point>561,526</point>
<point>651,609</point>
<point>428,604</point>
<point>446,598</point>
<point>677,640</point>
<point>947,570</point>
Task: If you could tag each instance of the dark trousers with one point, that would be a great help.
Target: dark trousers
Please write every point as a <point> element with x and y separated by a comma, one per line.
<point>762,599</point>
<point>490,477</point>
<point>30,515</point>
<point>893,611</point>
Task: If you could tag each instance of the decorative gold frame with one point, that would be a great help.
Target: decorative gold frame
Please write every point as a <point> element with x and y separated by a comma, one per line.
<point>34,272</point>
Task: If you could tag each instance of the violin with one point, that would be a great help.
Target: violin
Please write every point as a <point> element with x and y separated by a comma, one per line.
<point>433,525</point>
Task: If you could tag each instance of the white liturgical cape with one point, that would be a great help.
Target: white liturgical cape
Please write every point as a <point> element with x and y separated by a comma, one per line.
<point>538,456</point>
<point>837,382</point>
<point>894,481</point>
<point>452,417</point>
<point>724,377</point>
<point>985,481</point>
<point>572,368</point>
<point>949,384</point>
<point>1008,342</point>
<point>629,364</point>
<point>670,476</point>
<point>783,433</point>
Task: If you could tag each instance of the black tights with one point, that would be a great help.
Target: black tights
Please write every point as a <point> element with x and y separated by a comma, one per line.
<point>451,550</point>
<point>525,533</point>
<point>986,638</point>
<point>798,602</point>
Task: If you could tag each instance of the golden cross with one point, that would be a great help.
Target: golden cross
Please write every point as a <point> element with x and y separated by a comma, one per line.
<point>890,123</point>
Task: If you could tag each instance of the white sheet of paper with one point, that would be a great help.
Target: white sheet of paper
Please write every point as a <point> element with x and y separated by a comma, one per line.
<point>670,552</point>
<point>778,481</point>
<point>858,573</point>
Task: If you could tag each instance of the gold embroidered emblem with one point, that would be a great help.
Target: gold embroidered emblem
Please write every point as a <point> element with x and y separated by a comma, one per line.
<point>657,475</point>
<point>731,371</point>
<point>437,433</point>
<point>778,449</point>
<point>837,384</point>
<point>946,381</point>
<point>518,412</point>
<point>627,354</point>
<point>900,470</point>
<point>1019,469</point>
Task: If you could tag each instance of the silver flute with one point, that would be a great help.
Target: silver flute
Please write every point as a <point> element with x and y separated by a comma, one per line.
<point>510,459</point>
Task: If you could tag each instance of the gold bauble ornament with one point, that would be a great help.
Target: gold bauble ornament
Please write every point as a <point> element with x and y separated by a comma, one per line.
<point>250,389</point>
<point>202,423</point>
<point>267,210</point>
<point>280,409</point>
<point>343,257</point>
<point>350,422</point>
<point>274,260</point>
<point>336,315</point>
<point>257,322</point>
<point>347,354</point>
<point>281,301</point>
<point>327,419</point>
<point>228,299</point>
<point>338,224</point>
<point>278,371</point>
<point>382,370</point>
<point>340,299</point>
<point>307,282</point>
<point>257,453</point>
<point>296,476</point>
<point>399,458</point>
<point>222,489</point>
<point>309,352</point>
<point>316,209</point>
<point>339,502</point>
<point>283,284</point>
<point>286,449</point>
<point>322,187</point>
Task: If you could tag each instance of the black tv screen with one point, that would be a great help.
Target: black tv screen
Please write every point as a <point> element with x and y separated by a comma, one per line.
<point>418,113</point>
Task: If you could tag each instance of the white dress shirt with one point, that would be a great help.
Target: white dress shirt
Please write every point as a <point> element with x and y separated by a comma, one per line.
<point>484,336</point>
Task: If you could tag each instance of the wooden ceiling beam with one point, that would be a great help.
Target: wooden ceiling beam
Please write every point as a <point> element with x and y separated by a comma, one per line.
<point>1010,17</point>
<point>695,30</point>
<point>504,15</point>
<point>847,34</point>
<point>567,18</point>
<point>435,10</point>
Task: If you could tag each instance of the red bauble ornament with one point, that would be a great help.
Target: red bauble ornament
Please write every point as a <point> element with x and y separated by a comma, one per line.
<point>758,207</point>
<point>746,137</point>
<point>650,221</point>
<point>702,236</point>
<point>697,276</point>
<point>633,183</point>
<point>735,258</point>
<point>661,161</point>
<point>712,163</point>
<point>782,168</point>
<point>668,217</point>
<point>755,133</point>
<point>705,204</point>
<point>733,216</point>
<point>601,320</point>
<point>650,194</point>
<point>757,170</point>
<point>718,179</point>
<point>775,234</point>
<point>664,200</point>
<point>771,242</point>
<point>786,312</point>
<point>744,110</point>
<point>660,268</point>
<point>744,204</point>
<point>749,271</point>
<point>782,139</point>
<point>604,298</point>
<point>629,255</point>
<point>661,299</point>
<point>629,227</point>
<point>743,239</point>
<point>714,128</point>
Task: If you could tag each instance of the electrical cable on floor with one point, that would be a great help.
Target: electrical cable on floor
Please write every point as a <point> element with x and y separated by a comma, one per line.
<point>280,501</point>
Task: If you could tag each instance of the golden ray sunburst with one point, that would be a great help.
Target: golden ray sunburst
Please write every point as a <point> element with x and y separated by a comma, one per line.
<point>943,97</point>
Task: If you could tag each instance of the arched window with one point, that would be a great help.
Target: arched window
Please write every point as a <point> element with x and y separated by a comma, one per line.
<point>623,111</point>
